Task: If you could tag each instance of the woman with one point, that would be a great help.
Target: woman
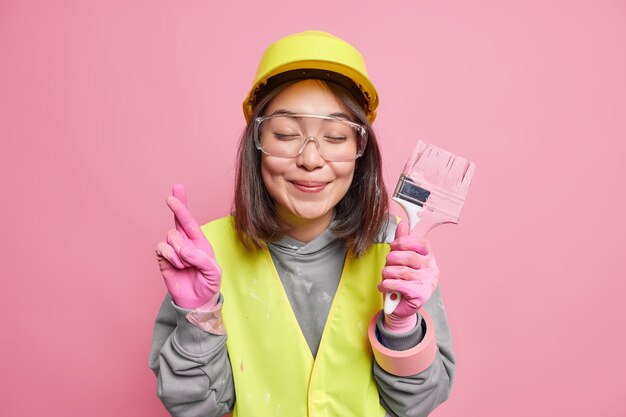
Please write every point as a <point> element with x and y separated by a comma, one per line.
<point>271,317</point>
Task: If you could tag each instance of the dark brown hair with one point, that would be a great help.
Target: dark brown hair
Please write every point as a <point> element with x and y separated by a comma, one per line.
<point>358,217</point>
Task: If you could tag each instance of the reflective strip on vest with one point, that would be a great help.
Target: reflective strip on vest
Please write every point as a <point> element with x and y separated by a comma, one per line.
<point>273,368</point>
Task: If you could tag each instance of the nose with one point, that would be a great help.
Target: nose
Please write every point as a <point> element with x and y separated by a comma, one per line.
<point>310,157</point>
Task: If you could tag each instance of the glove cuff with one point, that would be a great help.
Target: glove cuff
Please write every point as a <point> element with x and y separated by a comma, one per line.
<point>208,317</point>
<point>399,325</point>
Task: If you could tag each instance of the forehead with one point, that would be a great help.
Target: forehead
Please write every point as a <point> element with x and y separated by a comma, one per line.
<point>308,97</point>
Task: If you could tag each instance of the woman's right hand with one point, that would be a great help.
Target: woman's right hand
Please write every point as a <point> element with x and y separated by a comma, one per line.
<point>187,261</point>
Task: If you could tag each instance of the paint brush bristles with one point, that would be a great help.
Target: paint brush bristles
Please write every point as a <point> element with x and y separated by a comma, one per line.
<point>434,180</point>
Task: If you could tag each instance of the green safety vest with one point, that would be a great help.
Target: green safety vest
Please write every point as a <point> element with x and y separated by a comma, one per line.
<point>274,371</point>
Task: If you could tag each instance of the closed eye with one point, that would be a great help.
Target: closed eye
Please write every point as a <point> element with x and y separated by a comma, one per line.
<point>282,136</point>
<point>335,139</point>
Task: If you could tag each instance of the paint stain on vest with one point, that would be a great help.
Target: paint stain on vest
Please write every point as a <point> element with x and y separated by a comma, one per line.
<point>241,366</point>
<point>254,295</point>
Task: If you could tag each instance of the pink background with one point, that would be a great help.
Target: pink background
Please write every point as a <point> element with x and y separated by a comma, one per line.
<point>104,105</point>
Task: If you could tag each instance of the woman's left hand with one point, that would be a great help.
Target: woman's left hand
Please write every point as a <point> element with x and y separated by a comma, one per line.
<point>410,270</point>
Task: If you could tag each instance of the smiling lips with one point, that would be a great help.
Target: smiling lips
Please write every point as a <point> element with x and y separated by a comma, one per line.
<point>309,186</point>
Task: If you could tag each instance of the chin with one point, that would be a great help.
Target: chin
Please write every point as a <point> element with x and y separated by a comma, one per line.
<point>310,213</point>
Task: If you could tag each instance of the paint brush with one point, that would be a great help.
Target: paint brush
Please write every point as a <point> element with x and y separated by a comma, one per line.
<point>432,190</point>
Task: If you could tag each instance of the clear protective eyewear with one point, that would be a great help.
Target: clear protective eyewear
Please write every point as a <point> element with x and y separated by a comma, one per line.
<point>283,136</point>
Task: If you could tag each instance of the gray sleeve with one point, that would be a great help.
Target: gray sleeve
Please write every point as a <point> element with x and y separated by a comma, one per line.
<point>418,395</point>
<point>194,377</point>
<point>402,341</point>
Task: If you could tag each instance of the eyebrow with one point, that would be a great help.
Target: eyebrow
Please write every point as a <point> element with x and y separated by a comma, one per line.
<point>290,113</point>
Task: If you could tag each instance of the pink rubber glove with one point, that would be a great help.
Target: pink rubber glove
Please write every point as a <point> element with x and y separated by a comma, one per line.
<point>187,261</point>
<point>412,271</point>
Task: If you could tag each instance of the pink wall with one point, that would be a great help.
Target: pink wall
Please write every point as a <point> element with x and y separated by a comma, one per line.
<point>103,105</point>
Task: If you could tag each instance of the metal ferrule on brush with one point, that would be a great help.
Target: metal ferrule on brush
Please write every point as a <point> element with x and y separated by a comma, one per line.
<point>407,190</point>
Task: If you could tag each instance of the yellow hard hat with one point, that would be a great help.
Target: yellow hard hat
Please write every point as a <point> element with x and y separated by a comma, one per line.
<point>313,54</point>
